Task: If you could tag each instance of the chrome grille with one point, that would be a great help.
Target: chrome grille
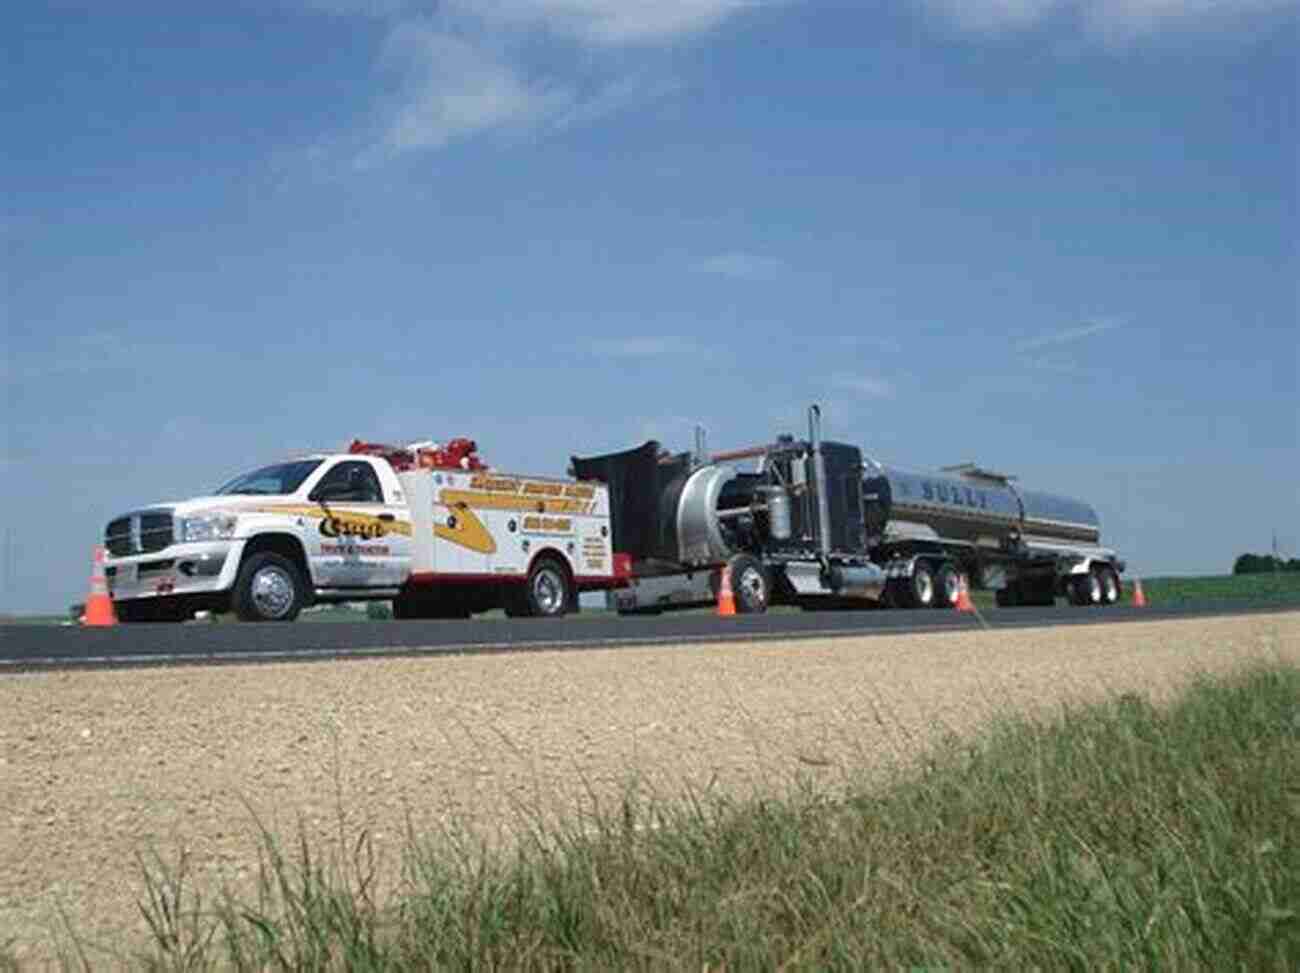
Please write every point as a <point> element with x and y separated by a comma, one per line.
<point>139,533</point>
<point>117,538</point>
<point>155,531</point>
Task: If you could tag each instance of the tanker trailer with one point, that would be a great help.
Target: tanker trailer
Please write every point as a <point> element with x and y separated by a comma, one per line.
<point>791,529</point>
<point>1027,545</point>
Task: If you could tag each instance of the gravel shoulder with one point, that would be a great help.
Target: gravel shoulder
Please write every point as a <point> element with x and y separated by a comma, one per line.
<point>96,767</point>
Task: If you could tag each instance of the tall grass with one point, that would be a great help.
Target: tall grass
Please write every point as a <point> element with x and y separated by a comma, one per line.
<point>1116,835</point>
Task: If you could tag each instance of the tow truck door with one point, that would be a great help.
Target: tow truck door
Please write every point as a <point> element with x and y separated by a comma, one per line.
<point>359,540</point>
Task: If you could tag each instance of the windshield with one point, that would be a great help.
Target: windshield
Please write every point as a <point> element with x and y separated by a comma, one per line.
<point>271,480</point>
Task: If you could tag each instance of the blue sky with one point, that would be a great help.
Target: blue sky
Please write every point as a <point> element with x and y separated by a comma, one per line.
<point>1054,236</point>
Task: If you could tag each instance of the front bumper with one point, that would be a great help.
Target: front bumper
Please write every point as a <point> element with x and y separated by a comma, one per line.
<point>181,569</point>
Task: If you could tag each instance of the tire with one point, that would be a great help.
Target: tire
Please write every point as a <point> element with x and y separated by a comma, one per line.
<point>921,591</point>
<point>1084,590</point>
<point>269,588</point>
<point>1007,597</point>
<point>947,584</point>
<point>548,592</point>
<point>1110,587</point>
<point>750,584</point>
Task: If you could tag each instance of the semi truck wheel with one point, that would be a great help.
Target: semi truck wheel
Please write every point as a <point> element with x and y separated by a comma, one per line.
<point>947,586</point>
<point>921,590</point>
<point>1085,589</point>
<point>548,592</point>
<point>750,585</point>
<point>269,589</point>
<point>1109,584</point>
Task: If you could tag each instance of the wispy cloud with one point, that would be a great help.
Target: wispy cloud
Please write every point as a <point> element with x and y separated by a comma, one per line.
<point>1110,20</point>
<point>742,266</point>
<point>453,89</point>
<point>1069,335</point>
<point>460,68</point>
<point>644,346</point>
<point>610,22</point>
<point>867,386</point>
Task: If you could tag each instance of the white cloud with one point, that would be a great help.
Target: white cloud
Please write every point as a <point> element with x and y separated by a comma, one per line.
<point>610,22</point>
<point>1110,20</point>
<point>867,386</point>
<point>465,67</point>
<point>643,346</point>
<point>1068,335</point>
<point>454,89</point>
<point>743,266</point>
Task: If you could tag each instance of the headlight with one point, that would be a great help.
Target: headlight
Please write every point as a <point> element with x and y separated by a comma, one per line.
<point>208,527</point>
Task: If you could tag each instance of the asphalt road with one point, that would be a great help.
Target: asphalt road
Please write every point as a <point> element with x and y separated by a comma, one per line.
<point>26,647</point>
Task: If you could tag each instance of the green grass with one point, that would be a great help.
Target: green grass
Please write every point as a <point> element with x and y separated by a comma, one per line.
<point>1116,836</point>
<point>1281,588</point>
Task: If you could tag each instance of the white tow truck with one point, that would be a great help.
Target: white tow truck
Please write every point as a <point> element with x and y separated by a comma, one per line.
<point>427,527</point>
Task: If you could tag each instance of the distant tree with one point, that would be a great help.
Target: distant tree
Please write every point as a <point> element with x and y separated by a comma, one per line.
<point>1263,564</point>
<point>1251,564</point>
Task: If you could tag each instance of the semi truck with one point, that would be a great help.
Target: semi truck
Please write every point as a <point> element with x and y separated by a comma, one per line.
<point>817,524</point>
<point>427,526</point>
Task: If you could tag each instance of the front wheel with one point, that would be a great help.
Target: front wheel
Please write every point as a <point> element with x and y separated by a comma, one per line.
<point>749,584</point>
<point>269,588</point>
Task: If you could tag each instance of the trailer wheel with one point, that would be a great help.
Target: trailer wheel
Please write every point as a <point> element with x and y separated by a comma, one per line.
<point>750,584</point>
<point>548,593</point>
<point>921,590</point>
<point>1085,589</point>
<point>1109,584</point>
<point>948,586</point>
<point>269,588</point>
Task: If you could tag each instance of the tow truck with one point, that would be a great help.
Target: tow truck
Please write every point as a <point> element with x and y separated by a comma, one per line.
<point>426,526</point>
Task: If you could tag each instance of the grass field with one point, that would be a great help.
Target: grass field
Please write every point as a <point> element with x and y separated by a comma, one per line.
<point>1119,835</point>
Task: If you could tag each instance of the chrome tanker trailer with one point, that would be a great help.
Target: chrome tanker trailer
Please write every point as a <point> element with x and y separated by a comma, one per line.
<point>925,529</point>
<point>812,524</point>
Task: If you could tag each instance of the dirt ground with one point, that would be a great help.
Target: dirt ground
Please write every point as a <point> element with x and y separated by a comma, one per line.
<point>97,767</point>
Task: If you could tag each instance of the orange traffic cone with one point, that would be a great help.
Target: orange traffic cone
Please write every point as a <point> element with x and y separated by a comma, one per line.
<point>964,604</point>
<point>726,597</point>
<point>1139,599</point>
<point>99,606</point>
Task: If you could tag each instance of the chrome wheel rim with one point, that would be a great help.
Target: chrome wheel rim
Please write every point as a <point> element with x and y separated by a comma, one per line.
<point>272,592</point>
<point>548,591</point>
<point>1112,588</point>
<point>924,588</point>
<point>1094,589</point>
<point>754,588</point>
